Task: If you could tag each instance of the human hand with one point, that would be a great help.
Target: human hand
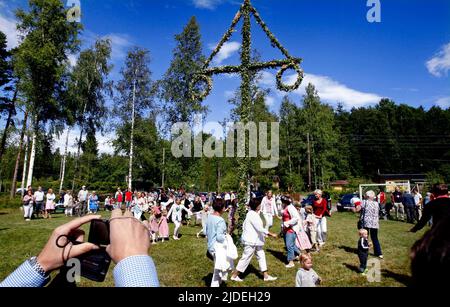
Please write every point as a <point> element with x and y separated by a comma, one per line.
<point>273,235</point>
<point>53,257</point>
<point>128,236</point>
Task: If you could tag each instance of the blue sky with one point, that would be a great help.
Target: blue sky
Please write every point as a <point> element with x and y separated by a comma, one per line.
<point>405,57</point>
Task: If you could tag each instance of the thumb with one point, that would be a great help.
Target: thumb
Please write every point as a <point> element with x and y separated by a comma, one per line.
<point>78,250</point>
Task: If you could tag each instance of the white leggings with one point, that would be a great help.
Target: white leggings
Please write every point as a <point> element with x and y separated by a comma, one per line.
<point>177,228</point>
<point>269,220</point>
<point>322,230</point>
<point>69,211</point>
<point>28,211</point>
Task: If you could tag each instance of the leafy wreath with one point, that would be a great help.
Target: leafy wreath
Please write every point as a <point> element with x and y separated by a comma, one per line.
<point>205,75</point>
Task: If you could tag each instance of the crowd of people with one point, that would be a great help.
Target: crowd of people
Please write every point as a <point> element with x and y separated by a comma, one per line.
<point>304,229</point>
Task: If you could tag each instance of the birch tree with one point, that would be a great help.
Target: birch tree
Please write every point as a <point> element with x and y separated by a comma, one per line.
<point>40,62</point>
<point>135,97</point>
<point>88,89</point>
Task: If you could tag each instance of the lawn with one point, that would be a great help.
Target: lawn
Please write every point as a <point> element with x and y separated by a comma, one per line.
<point>184,263</point>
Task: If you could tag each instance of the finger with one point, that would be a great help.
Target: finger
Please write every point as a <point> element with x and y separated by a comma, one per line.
<point>77,235</point>
<point>108,250</point>
<point>78,250</point>
<point>116,213</point>
<point>128,214</point>
<point>146,224</point>
<point>72,225</point>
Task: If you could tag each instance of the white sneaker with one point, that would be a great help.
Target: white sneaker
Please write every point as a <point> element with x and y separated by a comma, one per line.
<point>27,220</point>
<point>381,257</point>
<point>270,278</point>
<point>290,265</point>
<point>237,279</point>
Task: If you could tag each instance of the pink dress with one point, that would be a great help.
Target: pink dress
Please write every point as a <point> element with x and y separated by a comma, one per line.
<point>154,227</point>
<point>302,240</point>
<point>50,203</point>
<point>164,228</point>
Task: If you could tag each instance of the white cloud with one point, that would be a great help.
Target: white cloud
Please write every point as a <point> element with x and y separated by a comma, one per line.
<point>270,101</point>
<point>444,102</point>
<point>329,90</point>
<point>120,43</point>
<point>439,65</point>
<point>227,50</point>
<point>206,4</point>
<point>8,26</point>
<point>104,142</point>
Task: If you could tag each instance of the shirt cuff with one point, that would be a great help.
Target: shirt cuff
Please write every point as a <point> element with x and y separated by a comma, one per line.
<point>25,277</point>
<point>136,271</point>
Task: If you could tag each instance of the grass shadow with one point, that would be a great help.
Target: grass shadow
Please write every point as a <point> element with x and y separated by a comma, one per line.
<point>352,267</point>
<point>1,229</point>
<point>401,278</point>
<point>251,270</point>
<point>208,278</point>
<point>3,213</point>
<point>277,254</point>
<point>349,249</point>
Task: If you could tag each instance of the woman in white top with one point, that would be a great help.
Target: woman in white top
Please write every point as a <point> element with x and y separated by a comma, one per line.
<point>49,204</point>
<point>176,211</point>
<point>139,204</point>
<point>253,238</point>
<point>68,203</point>
<point>269,209</point>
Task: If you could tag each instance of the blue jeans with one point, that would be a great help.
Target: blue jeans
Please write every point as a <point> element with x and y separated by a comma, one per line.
<point>292,249</point>
<point>376,243</point>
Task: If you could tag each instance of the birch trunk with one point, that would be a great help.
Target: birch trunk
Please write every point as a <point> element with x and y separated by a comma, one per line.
<point>24,173</point>
<point>19,155</point>
<point>79,150</point>
<point>32,156</point>
<point>133,113</point>
<point>63,168</point>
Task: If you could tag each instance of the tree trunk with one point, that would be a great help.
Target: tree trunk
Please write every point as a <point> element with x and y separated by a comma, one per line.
<point>19,155</point>
<point>11,110</point>
<point>79,150</point>
<point>133,114</point>
<point>24,172</point>
<point>78,159</point>
<point>32,155</point>
<point>63,167</point>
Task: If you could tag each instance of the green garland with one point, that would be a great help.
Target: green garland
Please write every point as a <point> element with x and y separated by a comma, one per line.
<point>196,80</point>
<point>289,88</point>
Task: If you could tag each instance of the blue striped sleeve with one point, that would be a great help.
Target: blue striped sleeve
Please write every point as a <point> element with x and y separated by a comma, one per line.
<point>25,276</point>
<point>136,271</point>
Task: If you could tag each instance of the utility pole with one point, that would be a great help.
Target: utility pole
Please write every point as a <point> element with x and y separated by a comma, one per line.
<point>164,167</point>
<point>309,163</point>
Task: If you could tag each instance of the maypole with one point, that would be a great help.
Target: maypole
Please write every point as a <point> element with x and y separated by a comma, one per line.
<point>246,69</point>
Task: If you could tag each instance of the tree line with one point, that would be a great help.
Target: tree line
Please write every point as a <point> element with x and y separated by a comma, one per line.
<point>42,96</point>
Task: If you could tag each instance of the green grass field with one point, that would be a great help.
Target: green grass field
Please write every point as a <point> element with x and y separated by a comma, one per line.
<point>184,263</point>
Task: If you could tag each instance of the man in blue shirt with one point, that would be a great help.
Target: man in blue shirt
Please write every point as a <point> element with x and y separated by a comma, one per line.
<point>410,206</point>
<point>129,245</point>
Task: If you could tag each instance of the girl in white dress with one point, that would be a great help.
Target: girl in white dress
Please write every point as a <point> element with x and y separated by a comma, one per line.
<point>176,212</point>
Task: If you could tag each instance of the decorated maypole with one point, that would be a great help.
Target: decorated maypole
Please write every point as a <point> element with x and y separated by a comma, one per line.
<point>246,69</point>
